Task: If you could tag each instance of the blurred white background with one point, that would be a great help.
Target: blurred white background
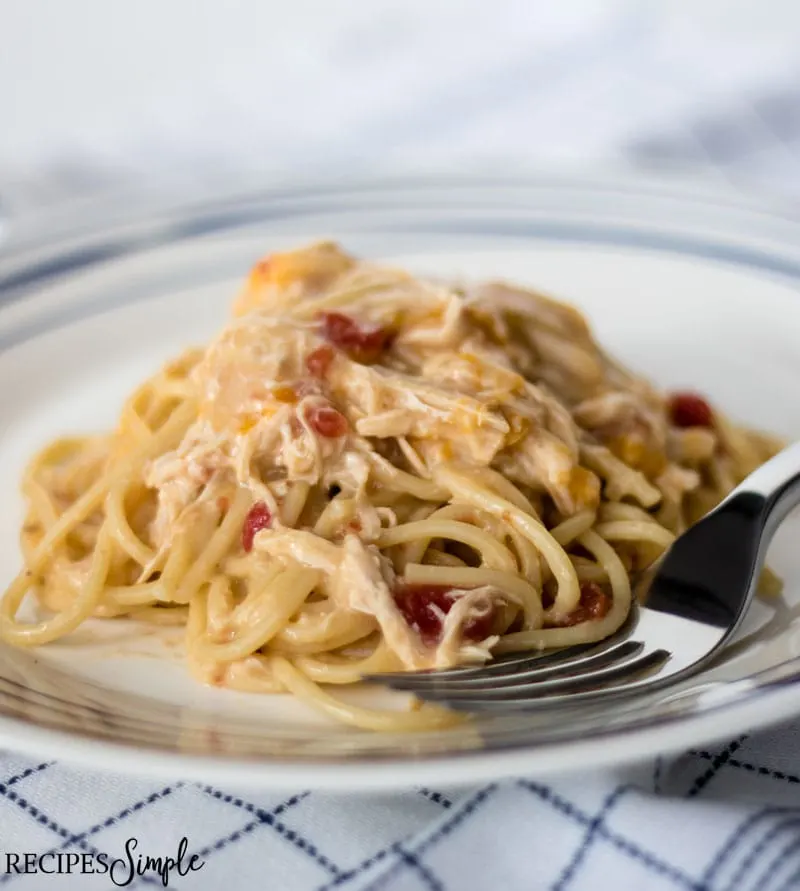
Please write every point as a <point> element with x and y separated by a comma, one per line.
<point>92,91</point>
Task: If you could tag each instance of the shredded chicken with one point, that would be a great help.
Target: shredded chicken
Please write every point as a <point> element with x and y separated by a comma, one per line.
<point>361,579</point>
<point>333,369</point>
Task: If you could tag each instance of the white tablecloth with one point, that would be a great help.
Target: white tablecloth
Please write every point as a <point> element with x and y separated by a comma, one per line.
<point>92,93</point>
<point>724,818</point>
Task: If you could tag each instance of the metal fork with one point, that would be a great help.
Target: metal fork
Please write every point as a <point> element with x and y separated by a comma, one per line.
<point>696,597</point>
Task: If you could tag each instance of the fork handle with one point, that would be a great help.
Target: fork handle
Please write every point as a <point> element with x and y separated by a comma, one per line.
<point>777,483</point>
<point>710,573</point>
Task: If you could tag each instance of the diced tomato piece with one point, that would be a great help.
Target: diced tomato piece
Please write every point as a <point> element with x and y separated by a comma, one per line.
<point>690,410</point>
<point>422,607</point>
<point>258,518</point>
<point>318,361</point>
<point>479,627</point>
<point>327,421</point>
<point>361,344</point>
<point>594,604</point>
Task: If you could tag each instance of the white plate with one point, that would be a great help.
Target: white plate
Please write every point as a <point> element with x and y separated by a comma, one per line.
<point>693,292</point>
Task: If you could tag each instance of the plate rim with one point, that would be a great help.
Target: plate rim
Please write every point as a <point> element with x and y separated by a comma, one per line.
<point>451,768</point>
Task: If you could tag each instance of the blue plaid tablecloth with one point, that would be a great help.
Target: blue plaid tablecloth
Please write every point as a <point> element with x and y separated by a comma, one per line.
<point>726,818</point>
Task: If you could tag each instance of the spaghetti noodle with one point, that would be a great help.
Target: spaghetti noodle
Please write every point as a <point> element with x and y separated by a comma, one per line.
<point>370,472</point>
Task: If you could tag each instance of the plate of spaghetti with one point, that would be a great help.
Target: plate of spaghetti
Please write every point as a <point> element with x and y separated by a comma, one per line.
<point>258,448</point>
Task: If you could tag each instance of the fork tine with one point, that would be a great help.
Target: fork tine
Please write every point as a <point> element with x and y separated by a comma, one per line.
<point>560,690</point>
<point>524,674</point>
<point>509,665</point>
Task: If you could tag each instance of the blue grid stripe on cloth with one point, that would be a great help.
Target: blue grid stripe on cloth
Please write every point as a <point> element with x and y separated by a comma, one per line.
<point>437,797</point>
<point>27,772</point>
<point>271,819</point>
<point>758,769</point>
<point>647,858</point>
<point>220,844</point>
<point>737,840</point>
<point>43,819</point>
<point>787,854</point>
<point>80,838</point>
<point>359,870</point>
<point>410,856</point>
<point>466,810</point>
<point>717,763</point>
<point>429,881</point>
<point>761,851</point>
<point>562,882</point>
